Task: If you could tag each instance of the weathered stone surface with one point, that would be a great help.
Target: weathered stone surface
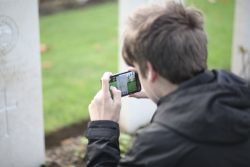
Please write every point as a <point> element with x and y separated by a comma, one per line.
<point>21,119</point>
<point>241,44</point>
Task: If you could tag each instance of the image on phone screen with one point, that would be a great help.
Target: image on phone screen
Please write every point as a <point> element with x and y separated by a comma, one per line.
<point>126,82</point>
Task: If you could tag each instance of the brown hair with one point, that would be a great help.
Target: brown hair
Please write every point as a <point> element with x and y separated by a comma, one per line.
<point>171,38</point>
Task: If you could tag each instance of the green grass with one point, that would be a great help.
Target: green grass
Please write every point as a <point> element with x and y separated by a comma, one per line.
<point>132,86</point>
<point>219,26</point>
<point>83,44</point>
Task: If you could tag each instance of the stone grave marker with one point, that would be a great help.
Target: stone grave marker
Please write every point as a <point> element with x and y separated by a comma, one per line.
<point>241,37</point>
<point>21,118</point>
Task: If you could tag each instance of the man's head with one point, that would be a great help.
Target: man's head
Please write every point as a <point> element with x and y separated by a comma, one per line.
<point>170,38</point>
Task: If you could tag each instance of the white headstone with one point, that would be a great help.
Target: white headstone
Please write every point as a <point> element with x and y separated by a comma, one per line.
<point>241,41</point>
<point>21,118</point>
<point>135,112</point>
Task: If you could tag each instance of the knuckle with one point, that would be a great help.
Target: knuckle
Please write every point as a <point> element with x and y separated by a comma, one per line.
<point>98,97</point>
<point>106,76</point>
<point>105,79</point>
<point>118,104</point>
<point>105,99</point>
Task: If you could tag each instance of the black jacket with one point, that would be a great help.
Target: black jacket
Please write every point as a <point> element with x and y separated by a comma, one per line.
<point>204,123</point>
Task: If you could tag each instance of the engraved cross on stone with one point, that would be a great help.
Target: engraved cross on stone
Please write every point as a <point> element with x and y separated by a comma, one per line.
<point>5,108</point>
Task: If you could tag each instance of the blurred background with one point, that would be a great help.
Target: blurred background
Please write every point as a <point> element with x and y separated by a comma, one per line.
<point>79,41</point>
<point>77,46</point>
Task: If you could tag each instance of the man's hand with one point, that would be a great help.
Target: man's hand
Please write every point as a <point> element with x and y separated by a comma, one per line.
<point>138,95</point>
<point>103,107</point>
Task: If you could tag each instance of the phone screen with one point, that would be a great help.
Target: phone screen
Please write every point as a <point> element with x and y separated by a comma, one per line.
<point>127,82</point>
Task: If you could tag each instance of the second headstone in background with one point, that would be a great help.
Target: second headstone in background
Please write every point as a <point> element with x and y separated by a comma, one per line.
<point>241,43</point>
<point>135,113</point>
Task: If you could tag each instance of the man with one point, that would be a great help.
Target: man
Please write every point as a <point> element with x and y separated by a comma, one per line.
<point>202,117</point>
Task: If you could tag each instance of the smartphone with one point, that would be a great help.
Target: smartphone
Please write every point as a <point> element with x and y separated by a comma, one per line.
<point>127,82</point>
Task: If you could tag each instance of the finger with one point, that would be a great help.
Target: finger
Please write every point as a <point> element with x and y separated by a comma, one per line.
<point>130,68</point>
<point>139,95</point>
<point>116,95</point>
<point>105,82</point>
<point>98,95</point>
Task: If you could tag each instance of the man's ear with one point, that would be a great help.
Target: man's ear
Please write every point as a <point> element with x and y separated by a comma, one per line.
<point>151,73</point>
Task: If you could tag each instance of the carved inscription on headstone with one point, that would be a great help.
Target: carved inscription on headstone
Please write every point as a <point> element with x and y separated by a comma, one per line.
<point>8,34</point>
<point>5,107</point>
<point>8,39</point>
